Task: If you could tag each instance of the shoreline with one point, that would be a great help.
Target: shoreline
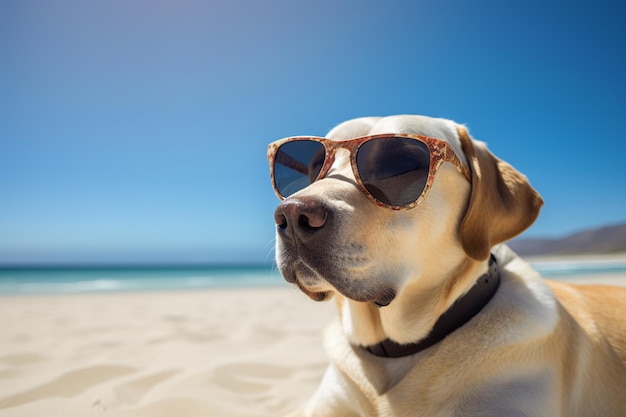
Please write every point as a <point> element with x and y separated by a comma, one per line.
<point>614,279</point>
<point>151,279</point>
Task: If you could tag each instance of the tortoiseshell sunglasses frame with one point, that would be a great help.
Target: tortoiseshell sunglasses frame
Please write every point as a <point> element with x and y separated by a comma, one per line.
<point>440,151</point>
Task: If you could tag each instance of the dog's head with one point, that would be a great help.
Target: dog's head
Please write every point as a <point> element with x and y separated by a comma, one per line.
<point>332,237</point>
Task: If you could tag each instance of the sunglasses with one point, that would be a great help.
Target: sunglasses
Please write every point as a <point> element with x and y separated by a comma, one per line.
<point>394,170</point>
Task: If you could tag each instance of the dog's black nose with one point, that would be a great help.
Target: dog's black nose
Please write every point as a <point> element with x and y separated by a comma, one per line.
<point>300,216</point>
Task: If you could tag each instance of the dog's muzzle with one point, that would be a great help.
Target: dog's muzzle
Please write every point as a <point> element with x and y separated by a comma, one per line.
<point>301,233</point>
<point>313,253</point>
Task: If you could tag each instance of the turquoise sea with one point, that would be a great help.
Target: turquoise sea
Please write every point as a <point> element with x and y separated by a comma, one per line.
<point>82,279</point>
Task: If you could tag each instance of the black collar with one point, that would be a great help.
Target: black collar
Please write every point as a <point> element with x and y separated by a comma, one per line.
<point>456,316</point>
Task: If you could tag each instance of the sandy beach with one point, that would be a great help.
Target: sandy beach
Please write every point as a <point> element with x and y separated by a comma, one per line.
<point>248,352</point>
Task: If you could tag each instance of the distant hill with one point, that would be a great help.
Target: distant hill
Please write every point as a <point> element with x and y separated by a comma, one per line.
<point>603,240</point>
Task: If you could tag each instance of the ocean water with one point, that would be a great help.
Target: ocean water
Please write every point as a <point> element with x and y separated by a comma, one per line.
<point>83,279</point>
<point>65,280</point>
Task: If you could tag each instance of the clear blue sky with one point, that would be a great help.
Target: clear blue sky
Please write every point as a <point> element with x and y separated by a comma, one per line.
<point>136,130</point>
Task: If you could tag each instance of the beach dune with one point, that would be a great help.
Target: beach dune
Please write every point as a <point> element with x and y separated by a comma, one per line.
<point>246,352</point>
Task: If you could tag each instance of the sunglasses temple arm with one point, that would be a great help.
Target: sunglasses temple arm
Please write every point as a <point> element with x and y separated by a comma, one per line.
<point>286,160</point>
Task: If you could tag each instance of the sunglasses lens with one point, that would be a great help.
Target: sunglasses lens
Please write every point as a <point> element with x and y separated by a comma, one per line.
<point>394,170</point>
<point>297,164</point>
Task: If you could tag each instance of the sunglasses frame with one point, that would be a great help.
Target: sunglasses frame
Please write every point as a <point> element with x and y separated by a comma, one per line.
<point>440,151</point>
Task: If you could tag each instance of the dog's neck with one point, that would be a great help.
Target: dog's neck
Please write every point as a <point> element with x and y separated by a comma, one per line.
<point>420,318</point>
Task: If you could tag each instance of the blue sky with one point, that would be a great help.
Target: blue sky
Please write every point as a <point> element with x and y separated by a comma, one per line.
<point>136,130</point>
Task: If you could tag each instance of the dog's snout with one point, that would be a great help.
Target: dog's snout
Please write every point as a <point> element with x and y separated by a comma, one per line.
<point>300,216</point>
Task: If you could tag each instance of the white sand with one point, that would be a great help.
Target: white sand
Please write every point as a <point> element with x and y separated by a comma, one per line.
<point>210,353</point>
<point>186,354</point>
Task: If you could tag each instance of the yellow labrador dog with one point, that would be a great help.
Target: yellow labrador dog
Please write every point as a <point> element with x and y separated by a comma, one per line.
<point>401,219</point>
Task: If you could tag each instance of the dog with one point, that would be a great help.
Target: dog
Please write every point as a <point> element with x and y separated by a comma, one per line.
<point>436,315</point>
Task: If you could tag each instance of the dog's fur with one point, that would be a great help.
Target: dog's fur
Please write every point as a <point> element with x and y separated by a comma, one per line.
<point>539,348</point>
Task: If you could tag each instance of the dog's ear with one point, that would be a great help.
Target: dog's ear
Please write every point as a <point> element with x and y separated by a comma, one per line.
<point>502,202</point>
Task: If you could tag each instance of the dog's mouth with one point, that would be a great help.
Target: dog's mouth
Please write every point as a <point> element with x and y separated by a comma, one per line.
<point>305,278</point>
<point>319,282</point>
<point>313,295</point>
